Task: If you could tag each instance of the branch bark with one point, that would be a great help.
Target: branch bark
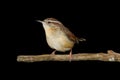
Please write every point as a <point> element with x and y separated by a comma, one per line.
<point>109,56</point>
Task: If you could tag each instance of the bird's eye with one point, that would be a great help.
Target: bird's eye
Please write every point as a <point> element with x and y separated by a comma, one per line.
<point>49,22</point>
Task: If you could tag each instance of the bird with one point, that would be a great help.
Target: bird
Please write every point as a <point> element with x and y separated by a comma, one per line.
<point>59,37</point>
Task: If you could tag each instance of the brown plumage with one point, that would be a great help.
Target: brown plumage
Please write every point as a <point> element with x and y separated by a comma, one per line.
<point>58,36</point>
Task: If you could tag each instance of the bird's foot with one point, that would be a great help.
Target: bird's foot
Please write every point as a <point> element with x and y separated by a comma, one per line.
<point>70,56</point>
<point>53,53</point>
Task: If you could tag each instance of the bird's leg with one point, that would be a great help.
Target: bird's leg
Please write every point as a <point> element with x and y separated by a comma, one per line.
<point>70,55</point>
<point>53,53</point>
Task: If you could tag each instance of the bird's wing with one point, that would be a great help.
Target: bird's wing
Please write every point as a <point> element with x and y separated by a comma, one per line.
<point>70,35</point>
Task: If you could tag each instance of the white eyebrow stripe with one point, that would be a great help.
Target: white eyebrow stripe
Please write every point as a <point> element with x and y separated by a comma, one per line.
<point>54,21</point>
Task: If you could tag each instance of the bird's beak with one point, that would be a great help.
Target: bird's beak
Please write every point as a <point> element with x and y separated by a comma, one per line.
<point>39,21</point>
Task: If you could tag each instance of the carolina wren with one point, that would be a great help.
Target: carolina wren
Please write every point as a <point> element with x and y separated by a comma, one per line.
<point>58,36</point>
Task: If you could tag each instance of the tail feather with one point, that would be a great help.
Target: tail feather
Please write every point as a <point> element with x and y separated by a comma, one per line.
<point>80,39</point>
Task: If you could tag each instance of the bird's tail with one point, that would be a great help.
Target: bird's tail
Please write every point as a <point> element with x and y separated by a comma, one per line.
<point>82,39</point>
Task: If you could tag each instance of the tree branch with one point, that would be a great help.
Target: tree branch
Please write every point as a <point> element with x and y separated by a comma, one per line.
<point>109,56</point>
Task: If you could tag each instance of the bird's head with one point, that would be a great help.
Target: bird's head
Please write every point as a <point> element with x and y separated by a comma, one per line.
<point>50,22</point>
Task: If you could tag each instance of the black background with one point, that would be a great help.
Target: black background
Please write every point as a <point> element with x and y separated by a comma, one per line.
<point>97,22</point>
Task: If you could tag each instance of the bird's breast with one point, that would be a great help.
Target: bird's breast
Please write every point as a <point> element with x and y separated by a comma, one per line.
<point>57,39</point>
